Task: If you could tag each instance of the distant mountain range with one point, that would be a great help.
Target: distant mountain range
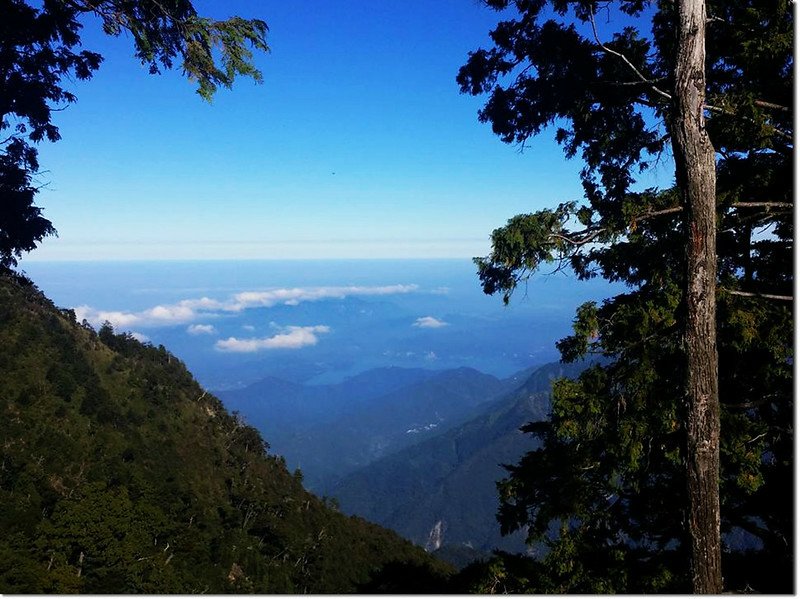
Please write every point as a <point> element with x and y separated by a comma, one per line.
<point>441,493</point>
<point>415,450</point>
<point>329,431</point>
<point>274,403</point>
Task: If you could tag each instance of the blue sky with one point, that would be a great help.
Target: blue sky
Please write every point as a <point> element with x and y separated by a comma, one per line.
<point>358,144</point>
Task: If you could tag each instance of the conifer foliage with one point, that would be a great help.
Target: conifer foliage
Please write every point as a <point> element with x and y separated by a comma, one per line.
<point>607,491</point>
<point>40,53</point>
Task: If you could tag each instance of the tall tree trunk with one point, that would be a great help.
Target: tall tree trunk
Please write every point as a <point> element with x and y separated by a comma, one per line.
<point>696,177</point>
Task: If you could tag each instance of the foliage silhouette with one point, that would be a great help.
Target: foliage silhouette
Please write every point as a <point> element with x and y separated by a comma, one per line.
<point>40,52</point>
<point>606,491</point>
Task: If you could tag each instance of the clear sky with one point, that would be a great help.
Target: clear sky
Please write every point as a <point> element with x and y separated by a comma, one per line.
<point>358,144</point>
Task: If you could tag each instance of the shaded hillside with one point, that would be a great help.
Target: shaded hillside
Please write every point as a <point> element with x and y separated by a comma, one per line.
<point>366,423</point>
<point>120,474</point>
<point>442,491</point>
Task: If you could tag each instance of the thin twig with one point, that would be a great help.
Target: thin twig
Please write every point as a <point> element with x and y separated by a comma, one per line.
<point>624,58</point>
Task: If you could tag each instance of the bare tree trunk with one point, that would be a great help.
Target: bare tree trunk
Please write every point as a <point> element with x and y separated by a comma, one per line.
<point>696,177</point>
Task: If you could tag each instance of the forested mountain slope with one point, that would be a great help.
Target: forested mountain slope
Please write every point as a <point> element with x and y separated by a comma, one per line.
<point>120,474</point>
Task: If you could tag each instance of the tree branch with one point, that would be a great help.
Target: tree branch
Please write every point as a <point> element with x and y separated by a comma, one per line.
<point>747,405</point>
<point>624,58</point>
<point>783,298</point>
<point>718,110</point>
<point>767,205</point>
<point>663,94</point>
<point>581,238</point>
<point>765,104</point>
<point>653,213</point>
<point>577,241</point>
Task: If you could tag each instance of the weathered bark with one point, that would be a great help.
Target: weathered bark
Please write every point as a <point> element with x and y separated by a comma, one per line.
<point>696,177</point>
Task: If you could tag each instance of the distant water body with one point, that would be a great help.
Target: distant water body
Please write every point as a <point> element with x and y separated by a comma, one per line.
<point>134,284</point>
<point>354,314</point>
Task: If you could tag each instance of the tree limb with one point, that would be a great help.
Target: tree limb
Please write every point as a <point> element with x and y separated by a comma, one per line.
<point>581,238</point>
<point>588,237</point>
<point>668,96</point>
<point>784,298</point>
<point>624,58</point>
<point>718,110</point>
<point>765,104</point>
<point>747,405</point>
<point>653,213</point>
<point>767,205</point>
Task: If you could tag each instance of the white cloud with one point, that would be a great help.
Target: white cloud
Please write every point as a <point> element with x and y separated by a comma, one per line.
<point>429,322</point>
<point>189,310</point>
<point>292,297</point>
<point>139,337</point>
<point>290,338</point>
<point>152,317</point>
<point>203,303</point>
<point>169,314</point>
<point>201,329</point>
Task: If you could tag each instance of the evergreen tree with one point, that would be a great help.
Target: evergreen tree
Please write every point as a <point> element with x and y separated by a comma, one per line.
<point>40,51</point>
<point>607,490</point>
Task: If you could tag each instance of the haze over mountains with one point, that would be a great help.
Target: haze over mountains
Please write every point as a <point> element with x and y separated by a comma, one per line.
<point>441,493</point>
<point>328,431</point>
<point>413,450</point>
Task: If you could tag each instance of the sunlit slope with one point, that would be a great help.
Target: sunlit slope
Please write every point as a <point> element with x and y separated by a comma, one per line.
<point>120,474</point>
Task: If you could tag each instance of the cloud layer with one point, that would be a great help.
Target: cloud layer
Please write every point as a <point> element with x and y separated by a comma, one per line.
<point>289,338</point>
<point>189,310</point>
<point>429,322</point>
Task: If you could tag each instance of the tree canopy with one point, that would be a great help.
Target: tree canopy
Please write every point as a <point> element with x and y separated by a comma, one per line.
<point>40,52</point>
<point>606,489</point>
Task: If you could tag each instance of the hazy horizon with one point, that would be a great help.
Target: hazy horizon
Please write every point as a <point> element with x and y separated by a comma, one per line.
<point>236,321</point>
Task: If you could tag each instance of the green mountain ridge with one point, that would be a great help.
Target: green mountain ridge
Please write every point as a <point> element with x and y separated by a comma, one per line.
<point>121,474</point>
